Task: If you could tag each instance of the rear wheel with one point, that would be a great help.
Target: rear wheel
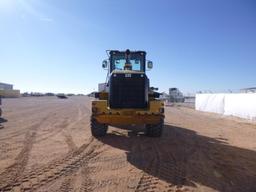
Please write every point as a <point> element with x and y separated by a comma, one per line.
<point>98,129</point>
<point>155,130</point>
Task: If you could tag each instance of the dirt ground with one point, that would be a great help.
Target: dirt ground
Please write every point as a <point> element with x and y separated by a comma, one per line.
<point>46,145</point>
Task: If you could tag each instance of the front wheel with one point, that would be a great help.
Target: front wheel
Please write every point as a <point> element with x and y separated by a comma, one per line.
<point>154,130</point>
<point>98,129</point>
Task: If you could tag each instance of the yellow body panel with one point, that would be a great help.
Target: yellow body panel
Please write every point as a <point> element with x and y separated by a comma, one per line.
<point>152,115</point>
<point>103,95</point>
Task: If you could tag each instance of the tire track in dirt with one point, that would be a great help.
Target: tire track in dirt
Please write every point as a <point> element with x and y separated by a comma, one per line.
<point>147,182</point>
<point>137,154</point>
<point>15,171</point>
<point>66,129</point>
<point>83,111</point>
<point>111,164</point>
<point>67,184</point>
<point>66,124</point>
<point>166,172</point>
<point>86,184</point>
<point>54,170</point>
<point>23,129</point>
<point>69,141</point>
<point>159,172</point>
<point>97,166</point>
<point>56,130</point>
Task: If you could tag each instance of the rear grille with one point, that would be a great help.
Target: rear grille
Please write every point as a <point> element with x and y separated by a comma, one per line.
<point>128,91</point>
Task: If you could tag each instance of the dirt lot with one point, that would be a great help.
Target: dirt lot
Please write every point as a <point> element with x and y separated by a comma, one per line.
<point>46,145</point>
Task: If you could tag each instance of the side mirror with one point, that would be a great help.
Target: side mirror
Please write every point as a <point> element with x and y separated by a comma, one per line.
<point>154,88</point>
<point>150,64</point>
<point>104,64</point>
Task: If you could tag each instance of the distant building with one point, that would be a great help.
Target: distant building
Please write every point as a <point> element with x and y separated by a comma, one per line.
<point>248,90</point>
<point>5,86</point>
<point>189,99</point>
<point>175,95</point>
<point>6,90</point>
<point>164,96</point>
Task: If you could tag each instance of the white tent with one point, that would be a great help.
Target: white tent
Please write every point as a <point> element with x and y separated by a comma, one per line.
<point>237,104</point>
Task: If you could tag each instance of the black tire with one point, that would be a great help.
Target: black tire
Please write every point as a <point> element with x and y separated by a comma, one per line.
<point>98,129</point>
<point>154,130</point>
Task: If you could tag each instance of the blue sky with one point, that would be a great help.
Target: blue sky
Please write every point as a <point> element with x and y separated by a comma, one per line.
<point>58,45</point>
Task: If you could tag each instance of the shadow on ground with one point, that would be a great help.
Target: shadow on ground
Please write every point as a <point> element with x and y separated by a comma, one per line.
<point>182,157</point>
<point>2,120</point>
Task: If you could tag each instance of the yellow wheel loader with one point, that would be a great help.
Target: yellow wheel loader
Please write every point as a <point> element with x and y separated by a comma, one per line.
<point>127,98</point>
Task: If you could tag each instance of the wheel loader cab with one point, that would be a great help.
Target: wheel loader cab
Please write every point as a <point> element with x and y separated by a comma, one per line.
<point>129,99</point>
<point>133,61</point>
